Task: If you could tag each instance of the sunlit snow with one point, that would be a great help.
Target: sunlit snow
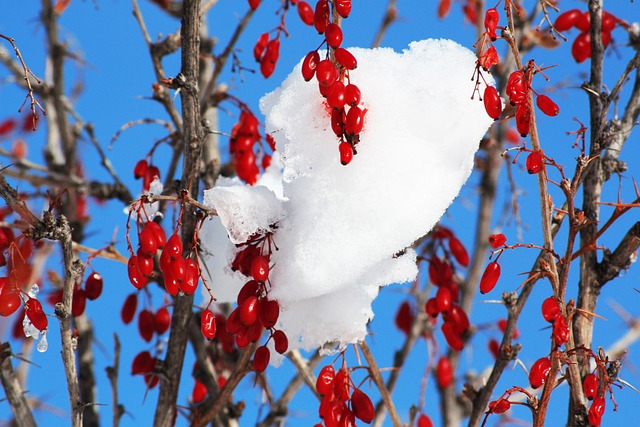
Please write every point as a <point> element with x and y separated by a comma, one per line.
<point>341,229</point>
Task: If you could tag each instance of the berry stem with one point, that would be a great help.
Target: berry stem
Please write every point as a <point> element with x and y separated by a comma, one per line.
<point>374,371</point>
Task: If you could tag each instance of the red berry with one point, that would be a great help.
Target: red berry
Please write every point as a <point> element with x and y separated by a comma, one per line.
<point>337,120</point>
<point>567,20</point>
<point>208,324</point>
<point>443,299</point>
<point>452,335</point>
<point>596,410</point>
<point>560,330</point>
<point>93,286</point>
<point>535,162</point>
<point>158,233</point>
<point>140,169</point>
<point>492,102</point>
<point>457,318</point>
<point>346,152</point>
<point>523,119</point>
<point>581,47</point>
<point>490,277</point>
<point>324,382</point>
<point>280,341</point>
<point>260,46</point>
<point>151,173</point>
<point>341,385</point>
<point>326,73</point>
<point>345,58</point>
<point>499,406</point>
<point>502,325</point>
<point>143,363</point>
<point>355,121</point>
<point>260,268</point>
<point>199,392</point>
<point>174,246</point>
<point>162,320</point>
<point>137,279</point>
<point>336,98</point>
<point>404,318</point>
<point>539,372</point>
<point>547,106</point>
<point>550,309</point>
<point>491,19</point>
<point>494,347</point>
<point>253,4</point>
<point>249,311</point>
<point>590,386</point>
<point>352,95</point>
<point>489,58</point>
<point>261,358</point>
<point>497,240</point>
<point>333,35</point>
<point>191,277</point>
<point>321,16</point>
<point>129,308</point>
<point>584,22</point>
<point>309,64</point>
<point>268,312</point>
<point>431,308</point>
<point>79,302</point>
<point>146,326</point>
<point>458,251</point>
<point>362,406</point>
<point>305,12</point>
<point>33,310</point>
<point>9,302</point>
<point>517,88</point>
<point>444,372</point>
<point>609,22</point>
<point>234,325</point>
<point>248,290</point>
<point>424,421</point>
<point>343,7</point>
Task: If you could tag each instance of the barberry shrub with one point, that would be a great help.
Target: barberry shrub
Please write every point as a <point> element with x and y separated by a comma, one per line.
<point>512,310</point>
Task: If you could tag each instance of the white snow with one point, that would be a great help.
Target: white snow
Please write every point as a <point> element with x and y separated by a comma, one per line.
<point>340,227</point>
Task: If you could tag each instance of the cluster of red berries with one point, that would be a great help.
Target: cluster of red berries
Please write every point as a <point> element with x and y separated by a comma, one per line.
<point>469,9</point>
<point>245,135</point>
<point>342,97</point>
<point>574,18</point>
<point>255,311</point>
<point>145,364</point>
<point>149,323</point>
<point>590,386</point>
<point>342,402</point>
<point>266,51</point>
<point>199,391</point>
<point>552,314</point>
<point>491,272</point>
<point>147,172</point>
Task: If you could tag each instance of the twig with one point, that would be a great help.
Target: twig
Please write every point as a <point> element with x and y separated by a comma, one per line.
<point>112,373</point>
<point>374,371</point>
<point>15,396</point>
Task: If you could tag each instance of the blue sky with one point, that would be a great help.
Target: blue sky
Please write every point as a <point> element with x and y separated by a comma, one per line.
<point>117,76</point>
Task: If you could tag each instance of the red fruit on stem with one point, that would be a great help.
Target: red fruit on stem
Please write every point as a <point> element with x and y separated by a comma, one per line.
<point>547,106</point>
<point>191,277</point>
<point>337,120</point>
<point>404,318</point>
<point>321,16</point>
<point>590,386</point>
<point>140,169</point>
<point>345,58</point>
<point>596,410</point>
<point>583,23</point>
<point>93,286</point>
<point>260,46</point>
<point>581,47</point>
<point>33,310</point>
<point>341,385</point>
<point>489,277</point>
<point>560,330</point>
<point>491,19</point>
<point>457,318</point>
<point>143,363</point>
<point>567,20</point>
<point>280,341</point>
<point>452,335</point>
<point>158,233</point>
<point>174,246</point>
<point>199,392</point>
<point>268,312</point>
<point>150,175</point>
<point>489,58</point>
<point>444,6</point>
<point>253,4</point>
<point>497,240</point>
<point>444,372</point>
<point>517,87</point>
<point>346,152</point>
<point>79,302</point>
<point>249,311</point>
<point>609,22</point>
<point>458,251</point>
<point>305,12</point>
<point>355,121</point>
<point>146,326</point>
<point>499,406</point>
<point>249,289</point>
<point>550,309</point>
<point>162,320</point>
<point>362,406</point>
<point>336,98</point>
<point>261,358</point>
<point>333,35</point>
<point>137,279</point>
<point>523,119</point>
<point>326,73</point>
<point>343,7</point>
<point>208,324</point>
<point>492,102</point>
<point>352,95</point>
<point>424,421</point>
<point>9,302</point>
<point>539,372</point>
<point>443,299</point>
<point>260,268</point>
<point>309,65</point>
<point>534,162</point>
<point>494,348</point>
<point>324,382</point>
<point>129,308</point>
